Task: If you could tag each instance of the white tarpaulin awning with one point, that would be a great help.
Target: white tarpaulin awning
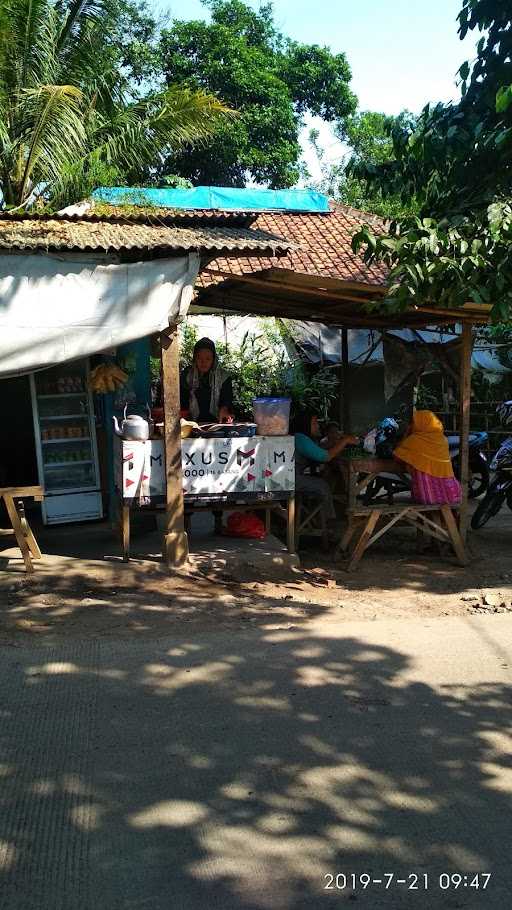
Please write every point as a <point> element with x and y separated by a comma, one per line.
<point>60,307</point>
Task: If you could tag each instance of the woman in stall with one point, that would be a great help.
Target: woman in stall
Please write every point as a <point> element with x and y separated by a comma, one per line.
<point>309,453</point>
<point>206,394</point>
<point>206,391</point>
<point>425,453</point>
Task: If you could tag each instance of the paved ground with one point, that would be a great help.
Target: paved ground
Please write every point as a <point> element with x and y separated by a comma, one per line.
<point>242,769</point>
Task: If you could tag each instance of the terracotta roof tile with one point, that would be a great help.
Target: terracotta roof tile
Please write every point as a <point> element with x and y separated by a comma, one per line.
<point>322,247</point>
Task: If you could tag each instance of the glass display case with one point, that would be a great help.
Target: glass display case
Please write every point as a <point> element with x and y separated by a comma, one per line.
<point>66,443</point>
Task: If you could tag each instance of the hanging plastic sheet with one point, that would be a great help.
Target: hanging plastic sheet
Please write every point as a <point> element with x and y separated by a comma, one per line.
<point>61,307</point>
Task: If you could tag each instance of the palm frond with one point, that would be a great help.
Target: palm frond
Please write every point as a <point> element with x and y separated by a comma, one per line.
<point>141,134</point>
<point>64,114</point>
<point>56,134</point>
<point>145,131</point>
<point>27,44</point>
<point>78,13</point>
<point>79,66</point>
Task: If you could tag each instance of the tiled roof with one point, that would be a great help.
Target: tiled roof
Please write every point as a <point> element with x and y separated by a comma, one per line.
<point>322,247</point>
<point>143,236</point>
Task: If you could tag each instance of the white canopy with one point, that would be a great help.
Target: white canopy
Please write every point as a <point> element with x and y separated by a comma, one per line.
<point>60,307</point>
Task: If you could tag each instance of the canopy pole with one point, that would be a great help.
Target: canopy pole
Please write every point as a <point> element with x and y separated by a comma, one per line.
<point>175,540</point>
<point>465,405</point>
<point>345,411</point>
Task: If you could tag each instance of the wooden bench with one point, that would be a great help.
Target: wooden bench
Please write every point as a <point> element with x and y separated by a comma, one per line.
<point>13,498</point>
<point>435,521</point>
<point>375,520</point>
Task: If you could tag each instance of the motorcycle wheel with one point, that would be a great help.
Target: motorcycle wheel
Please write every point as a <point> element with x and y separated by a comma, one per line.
<point>375,492</point>
<point>490,506</point>
<point>479,476</point>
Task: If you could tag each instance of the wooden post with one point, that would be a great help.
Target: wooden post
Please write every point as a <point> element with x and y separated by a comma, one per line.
<point>175,542</point>
<point>291,521</point>
<point>465,404</point>
<point>345,395</point>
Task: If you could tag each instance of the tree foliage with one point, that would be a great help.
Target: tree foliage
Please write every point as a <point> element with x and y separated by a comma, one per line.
<point>270,80</point>
<point>456,161</point>
<point>368,135</point>
<point>69,116</point>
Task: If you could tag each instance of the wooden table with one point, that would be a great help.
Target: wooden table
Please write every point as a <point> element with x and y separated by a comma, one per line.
<point>370,522</point>
<point>358,473</point>
<point>13,498</point>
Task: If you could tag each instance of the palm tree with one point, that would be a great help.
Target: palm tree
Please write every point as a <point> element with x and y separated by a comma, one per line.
<point>66,117</point>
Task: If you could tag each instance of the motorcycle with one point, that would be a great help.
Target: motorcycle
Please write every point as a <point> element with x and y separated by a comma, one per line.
<point>500,487</point>
<point>386,486</point>
<point>479,473</point>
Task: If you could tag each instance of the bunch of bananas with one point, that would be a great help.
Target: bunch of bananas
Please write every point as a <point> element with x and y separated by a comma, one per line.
<point>108,377</point>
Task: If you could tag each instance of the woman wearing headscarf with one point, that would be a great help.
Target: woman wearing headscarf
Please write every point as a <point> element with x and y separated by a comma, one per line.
<point>425,452</point>
<point>206,391</point>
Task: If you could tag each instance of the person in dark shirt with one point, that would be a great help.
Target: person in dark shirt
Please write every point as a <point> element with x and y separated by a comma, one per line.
<point>206,390</point>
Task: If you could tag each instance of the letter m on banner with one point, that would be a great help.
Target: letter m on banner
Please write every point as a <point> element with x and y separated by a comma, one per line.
<point>241,456</point>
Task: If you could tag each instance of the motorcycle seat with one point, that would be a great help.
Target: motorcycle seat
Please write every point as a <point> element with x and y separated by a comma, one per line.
<point>476,440</point>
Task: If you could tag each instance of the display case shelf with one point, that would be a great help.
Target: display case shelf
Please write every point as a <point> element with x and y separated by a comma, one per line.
<point>63,407</point>
<point>66,464</point>
<point>63,395</point>
<point>63,416</point>
<point>48,442</point>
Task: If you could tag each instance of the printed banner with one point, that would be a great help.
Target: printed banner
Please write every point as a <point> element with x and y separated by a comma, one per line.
<point>263,464</point>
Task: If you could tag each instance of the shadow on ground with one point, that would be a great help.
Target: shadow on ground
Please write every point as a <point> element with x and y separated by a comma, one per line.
<point>82,586</point>
<point>240,772</point>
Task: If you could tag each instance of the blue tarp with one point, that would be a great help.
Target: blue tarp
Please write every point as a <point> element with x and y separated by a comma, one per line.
<point>216,197</point>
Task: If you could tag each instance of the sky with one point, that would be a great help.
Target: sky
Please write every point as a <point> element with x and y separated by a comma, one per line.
<point>403,53</point>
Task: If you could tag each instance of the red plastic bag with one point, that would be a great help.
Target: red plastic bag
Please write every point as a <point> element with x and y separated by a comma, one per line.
<point>245,524</point>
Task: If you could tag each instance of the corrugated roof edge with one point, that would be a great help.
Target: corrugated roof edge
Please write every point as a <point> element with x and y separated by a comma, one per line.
<point>47,233</point>
<point>166,218</point>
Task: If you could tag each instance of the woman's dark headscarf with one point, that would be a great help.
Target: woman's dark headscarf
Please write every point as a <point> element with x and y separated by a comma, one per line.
<point>206,344</point>
<point>301,423</point>
<point>215,377</point>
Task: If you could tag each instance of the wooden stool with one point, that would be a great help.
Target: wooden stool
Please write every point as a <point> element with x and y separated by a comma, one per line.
<point>20,526</point>
<point>311,520</point>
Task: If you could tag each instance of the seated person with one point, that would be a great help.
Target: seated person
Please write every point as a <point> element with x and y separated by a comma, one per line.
<point>332,434</point>
<point>308,452</point>
<point>206,391</point>
<point>425,453</point>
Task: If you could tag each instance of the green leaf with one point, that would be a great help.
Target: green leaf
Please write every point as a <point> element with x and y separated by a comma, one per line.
<point>502,136</point>
<point>464,71</point>
<point>503,98</point>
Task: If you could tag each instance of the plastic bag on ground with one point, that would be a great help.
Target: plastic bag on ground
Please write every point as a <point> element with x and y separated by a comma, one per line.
<point>245,524</point>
